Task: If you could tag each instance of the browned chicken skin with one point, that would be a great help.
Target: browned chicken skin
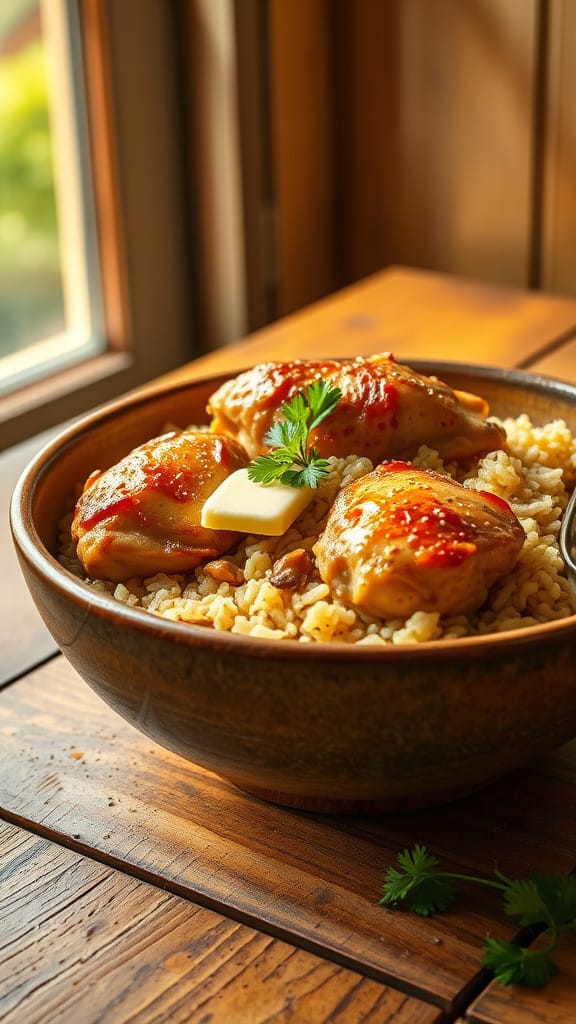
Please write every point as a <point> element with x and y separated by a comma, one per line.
<point>142,516</point>
<point>387,410</point>
<point>402,539</point>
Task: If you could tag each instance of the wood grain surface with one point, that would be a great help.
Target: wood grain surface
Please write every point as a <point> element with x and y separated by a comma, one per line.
<point>71,768</point>
<point>135,885</point>
<point>412,313</point>
<point>555,1004</point>
<point>559,361</point>
<point>85,943</point>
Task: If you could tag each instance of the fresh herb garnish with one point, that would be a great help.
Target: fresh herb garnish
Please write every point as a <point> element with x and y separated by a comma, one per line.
<point>290,460</point>
<point>546,902</point>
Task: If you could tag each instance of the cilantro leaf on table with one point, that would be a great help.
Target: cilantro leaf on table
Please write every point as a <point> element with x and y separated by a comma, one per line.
<point>418,883</point>
<point>545,902</point>
<point>513,965</point>
<point>522,899</point>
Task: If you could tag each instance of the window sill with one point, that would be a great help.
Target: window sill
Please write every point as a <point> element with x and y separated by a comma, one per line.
<point>45,403</point>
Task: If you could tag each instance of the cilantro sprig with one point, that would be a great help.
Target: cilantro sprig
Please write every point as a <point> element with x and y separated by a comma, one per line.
<point>544,902</point>
<point>291,460</point>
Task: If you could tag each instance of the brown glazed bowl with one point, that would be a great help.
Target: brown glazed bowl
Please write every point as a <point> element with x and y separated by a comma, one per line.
<point>322,727</point>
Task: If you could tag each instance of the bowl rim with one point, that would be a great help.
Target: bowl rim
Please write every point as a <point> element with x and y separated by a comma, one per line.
<point>32,550</point>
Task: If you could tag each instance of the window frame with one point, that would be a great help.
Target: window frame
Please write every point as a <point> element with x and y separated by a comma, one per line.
<point>132,56</point>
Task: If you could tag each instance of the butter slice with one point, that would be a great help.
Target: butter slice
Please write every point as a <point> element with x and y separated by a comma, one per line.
<point>248,507</point>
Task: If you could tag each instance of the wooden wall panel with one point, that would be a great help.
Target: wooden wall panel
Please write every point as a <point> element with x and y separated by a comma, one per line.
<point>215,189</point>
<point>368,154</point>
<point>436,135</point>
<point>559,200</point>
<point>302,121</point>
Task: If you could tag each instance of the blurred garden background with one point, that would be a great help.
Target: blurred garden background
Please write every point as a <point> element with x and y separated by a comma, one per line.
<point>31,298</point>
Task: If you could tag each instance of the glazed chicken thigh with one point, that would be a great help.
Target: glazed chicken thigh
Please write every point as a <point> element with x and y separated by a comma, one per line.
<point>142,516</point>
<point>386,410</point>
<point>402,539</point>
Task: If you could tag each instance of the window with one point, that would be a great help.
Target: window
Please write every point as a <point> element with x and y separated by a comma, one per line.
<point>101,255</point>
<point>49,292</point>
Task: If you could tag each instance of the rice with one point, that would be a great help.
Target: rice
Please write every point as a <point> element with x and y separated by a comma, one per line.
<point>534,474</point>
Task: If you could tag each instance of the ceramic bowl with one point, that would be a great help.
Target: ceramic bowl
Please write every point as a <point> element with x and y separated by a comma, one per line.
<point>321,727</point>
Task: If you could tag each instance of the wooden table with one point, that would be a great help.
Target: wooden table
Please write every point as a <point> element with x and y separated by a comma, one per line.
<point>137,887</point>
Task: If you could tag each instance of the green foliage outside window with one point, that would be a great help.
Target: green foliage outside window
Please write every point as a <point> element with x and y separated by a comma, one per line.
<point>31,303</point>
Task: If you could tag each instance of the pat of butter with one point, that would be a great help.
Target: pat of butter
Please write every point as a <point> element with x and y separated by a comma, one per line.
<point>243,505</point>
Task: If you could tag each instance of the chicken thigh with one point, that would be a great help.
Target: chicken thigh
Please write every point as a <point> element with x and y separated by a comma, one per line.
<point>386,410</point>
<point>142,516</point>
<point>402,539</point>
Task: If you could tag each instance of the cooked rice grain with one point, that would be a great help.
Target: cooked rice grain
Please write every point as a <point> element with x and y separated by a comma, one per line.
<point>535,474</point>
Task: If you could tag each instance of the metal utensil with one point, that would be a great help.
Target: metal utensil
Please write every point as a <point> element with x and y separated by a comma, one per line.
<point>567,540</point>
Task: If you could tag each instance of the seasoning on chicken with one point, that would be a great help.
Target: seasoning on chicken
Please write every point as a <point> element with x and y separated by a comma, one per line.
<point>142,516</point>
<point>402,539</point>
<point>386,409</point>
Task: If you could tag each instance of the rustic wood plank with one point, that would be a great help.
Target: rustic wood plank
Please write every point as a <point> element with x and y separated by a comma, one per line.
<point>83,942</point>
<point>517,1005</point>
<point>555,1003</point>
<point>75,770</point>
<point>560,362</point>
<point>414,314</point>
